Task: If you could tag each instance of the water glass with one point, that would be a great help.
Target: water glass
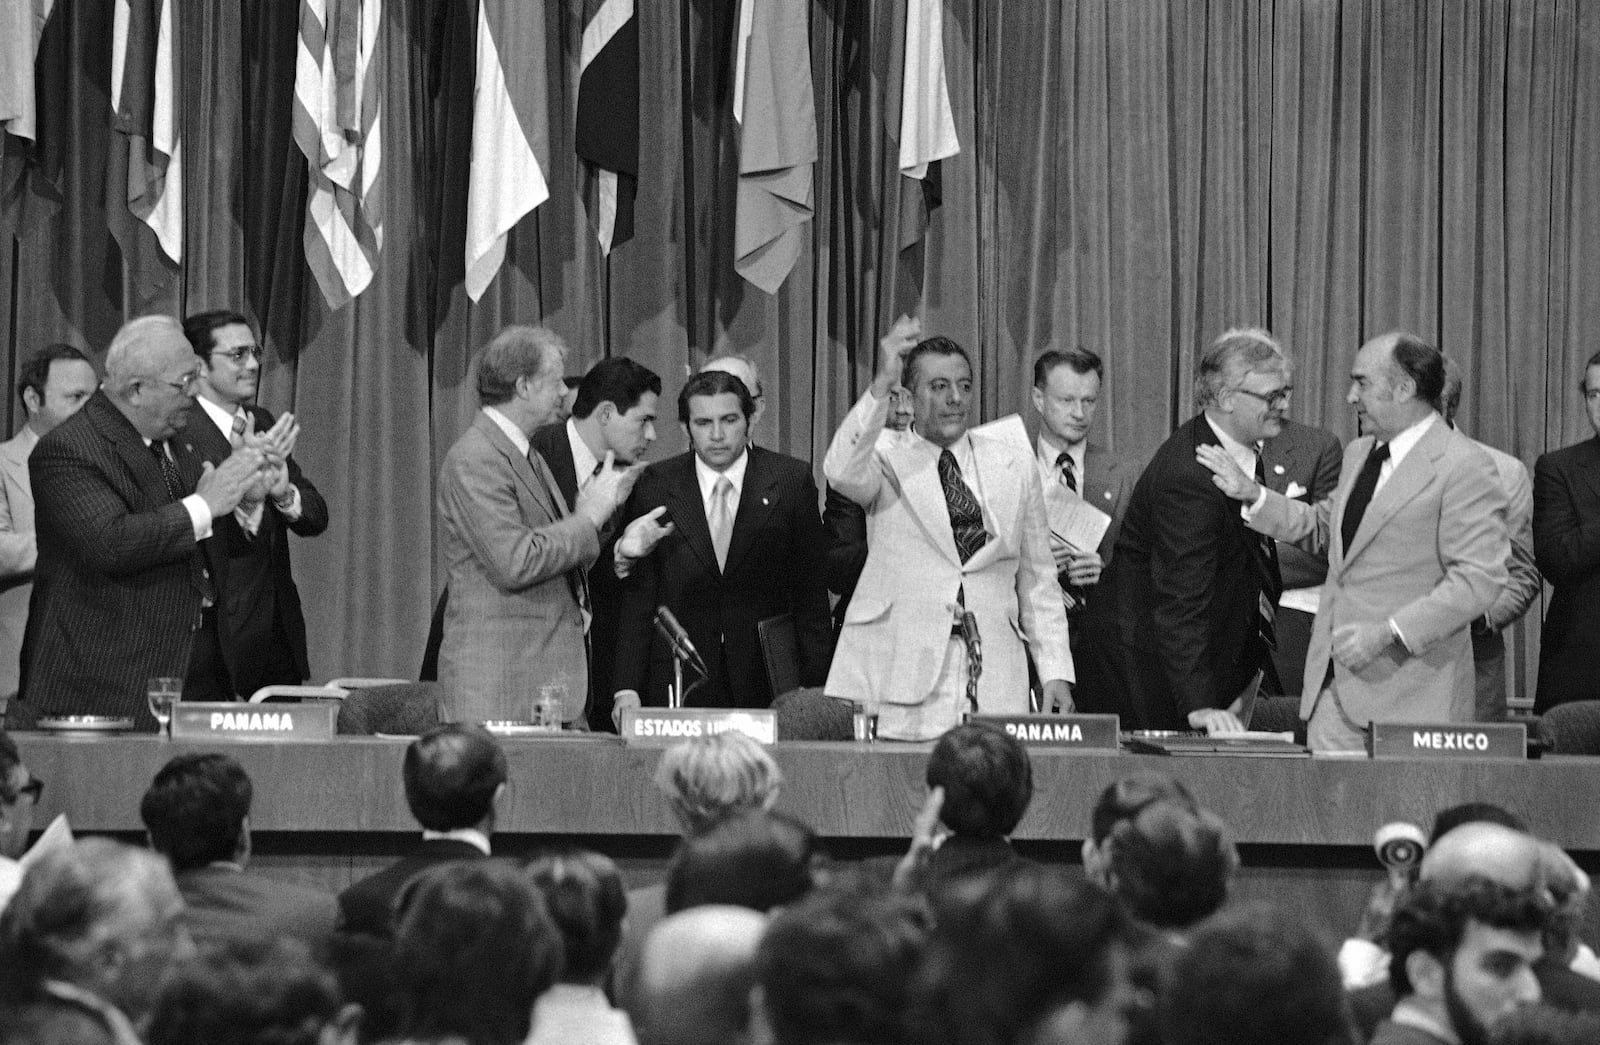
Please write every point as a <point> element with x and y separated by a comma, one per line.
<point>549,709</point>
<point>162,692</point>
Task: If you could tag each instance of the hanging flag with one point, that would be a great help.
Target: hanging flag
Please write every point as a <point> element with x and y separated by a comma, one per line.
<point>607,139</point>
<point>338,95</point>
<point>21,26</point>
<point>777,118</point>
<point>927,123</point>
<point>510,133</point>
<point>144,111</point>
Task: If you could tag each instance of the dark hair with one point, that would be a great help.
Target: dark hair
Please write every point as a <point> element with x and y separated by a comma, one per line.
<point>195,809</point>
<point>714,383</point>
<point>838,967</point>
<point>201,329</point>
<point>35,373</point>
<point>1583,378</point>
<point>1253,977</point>
<point>1452,817</point>
<point>474,946</point>
<point>752,859</point>
<point>1035,939</point>
<point>1424,364</point>
<point>516,352</point>
<point>10,759</point>
<point>933,346</point>
<point>1079,359</point>
<point>583,892</point>
<point>246,992</point>
<point>1432,917</point>
<point>1171,865</point>
<point>618,381</point>
<point>1126,798</point>
<point>451,774</point>
<point>987,780</point>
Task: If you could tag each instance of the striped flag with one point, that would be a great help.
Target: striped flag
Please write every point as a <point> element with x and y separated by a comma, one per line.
<point>21,26</point>
<point>927,123</point>
<point>607,137</point>
<point>144,111</point>
<point>777,118</point>
<point>338,95</point>
<point>510,133</point>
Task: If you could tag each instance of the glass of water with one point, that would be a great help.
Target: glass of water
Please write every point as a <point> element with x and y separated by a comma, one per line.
<point>162,692</point>
<point>550,707</point>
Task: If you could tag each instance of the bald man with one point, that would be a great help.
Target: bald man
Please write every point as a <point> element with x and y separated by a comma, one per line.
<point>695,975</point>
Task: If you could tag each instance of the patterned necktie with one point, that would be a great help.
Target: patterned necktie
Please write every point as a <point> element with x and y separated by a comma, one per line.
<point>1267,598</point>
<point>721,519</point>
<point>237,438</point>
<point>1361,494</point>
<point>966,515</point>
<point>169,471</point>
<point>1064,465</point>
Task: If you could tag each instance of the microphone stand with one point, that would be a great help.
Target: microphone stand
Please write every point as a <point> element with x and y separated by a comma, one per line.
<point>676,692</point>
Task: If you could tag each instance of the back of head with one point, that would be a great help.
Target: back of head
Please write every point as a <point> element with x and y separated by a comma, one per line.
<point>756,859</point>
<point>133,352</point>
<point>1432,917</point>
<point>708,778</point>
<point>619,381</point>
<point>248,992</point>
<point>1036,940</point>
<point>452,775</point>
<point>195,809</point>
<point>739,365</point>
<point>1125,798</point>
<point>1483,849</point>
<point>1452,817</point>
<point>1253,977</point>
<point>1169,864</point>
<point>987,780</point>
<point>695,975</point>
<point>583,893</point>
<point>474,946</point>
<point>1424,364</point>
<point>837,967</point>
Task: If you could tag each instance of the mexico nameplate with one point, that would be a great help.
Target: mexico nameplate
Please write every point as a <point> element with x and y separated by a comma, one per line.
<point>1449,740</point>
<point>1085,732</point>
<point>227,721</point>
<point>662,727</point>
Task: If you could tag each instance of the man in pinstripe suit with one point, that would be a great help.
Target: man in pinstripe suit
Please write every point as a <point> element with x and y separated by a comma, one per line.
<point>121,592</point>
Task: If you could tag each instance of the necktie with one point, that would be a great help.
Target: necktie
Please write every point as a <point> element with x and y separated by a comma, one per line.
<point>237,438</point>
<point>721,519</point>
<point>1361,494</point>
<point>966,515</point>
<point>1267,598</point>
<point>169,471</point>
<point>1068,479</point>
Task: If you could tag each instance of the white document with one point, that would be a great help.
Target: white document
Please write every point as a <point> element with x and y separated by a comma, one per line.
<point>1073,521</point>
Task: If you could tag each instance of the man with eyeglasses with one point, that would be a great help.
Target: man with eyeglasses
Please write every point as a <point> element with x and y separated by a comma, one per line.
<point>19,794</point>
<point>261,625</point>
<point>1180,630</point>
<point>123,592</point>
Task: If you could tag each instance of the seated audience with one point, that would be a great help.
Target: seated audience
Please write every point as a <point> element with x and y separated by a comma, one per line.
<point>474,947</point>
<point>837,968</point>
<point>84,943</point>
<point>695,974</point>
<point>19,792</point>
<point>583,893</point>
<point>757,860</point>
<point>252,992</point>
<point>197,812</point>
<point>1253,977</point>
<point>454,777</point>
<point>987,783</point>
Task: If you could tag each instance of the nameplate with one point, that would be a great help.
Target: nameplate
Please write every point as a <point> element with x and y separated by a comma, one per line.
<point>1086,732</point>
<point>663,727</point>
<point>1470,740</point>
<point>202,721</point>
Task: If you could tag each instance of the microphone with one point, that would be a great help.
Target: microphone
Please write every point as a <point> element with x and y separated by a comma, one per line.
<point>673,632</point>
<point>1400,848</point>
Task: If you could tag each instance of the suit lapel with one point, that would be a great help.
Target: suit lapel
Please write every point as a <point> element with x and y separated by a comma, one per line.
<point>917,465</point>
<point>689,511</point>
<point>1410,477</point>
<point>521,466</point>
<point>757,501</point>
<point>126,441</point>
<point>996,487</point>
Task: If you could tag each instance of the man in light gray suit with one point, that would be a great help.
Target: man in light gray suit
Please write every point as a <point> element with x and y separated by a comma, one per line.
<point>52,386</point>
<point>518,610</point>
<point>1417,548</point>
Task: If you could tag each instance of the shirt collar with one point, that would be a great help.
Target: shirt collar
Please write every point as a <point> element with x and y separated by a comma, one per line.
<point>220,415</point>
<point>708,476</point>
<point>1048,454</point>
<point>961,449</point>
<point>584,462</point>
<point>29,439</point>
<point>1401,444</point>
<point>121,1028</point>
<point>1244,456</point>
<point>518,437</point>
<point>470,835</point>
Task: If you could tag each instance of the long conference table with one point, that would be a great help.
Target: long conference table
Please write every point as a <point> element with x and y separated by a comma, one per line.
<point>328,813</point>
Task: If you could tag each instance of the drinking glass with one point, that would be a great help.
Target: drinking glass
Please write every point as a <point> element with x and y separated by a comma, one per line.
<point>162,693</point>
<point>550,706</point>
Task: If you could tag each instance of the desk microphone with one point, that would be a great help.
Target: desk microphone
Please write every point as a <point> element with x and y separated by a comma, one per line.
<point>673,632</point>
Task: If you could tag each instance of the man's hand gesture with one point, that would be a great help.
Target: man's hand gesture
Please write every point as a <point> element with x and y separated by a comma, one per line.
<point>892,349</point>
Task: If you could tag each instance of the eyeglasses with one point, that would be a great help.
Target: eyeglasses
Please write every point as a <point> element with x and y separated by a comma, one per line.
<point>238,355</point>
<point>33,789</point>
<point>186,384</point>
<point>1273,400</point>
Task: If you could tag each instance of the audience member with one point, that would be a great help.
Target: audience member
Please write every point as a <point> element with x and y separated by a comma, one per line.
<point>837,968</point>
<point>474,947</point>
<point>987,782</point>
<point>197,813</point>
<point>1253,977</point>
<point>454,778</point>
<point>696,972</point>
<point>583,893</point>
<point>252,992</point>
<point>19,794</point>
<point>1543,1025</point>
<point>756,859</point>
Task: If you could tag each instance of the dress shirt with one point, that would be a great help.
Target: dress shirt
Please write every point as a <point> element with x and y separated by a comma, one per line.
<point>584,462</point>
<point>1048,452</point>
<point>1243,456</point>
<point>708,476</point>
<point>199,510</point>
<point>572,1013</point>
<point>470,835</point>
<point>518,437</point>
<point>1399,446</point>
<point>249,517</point>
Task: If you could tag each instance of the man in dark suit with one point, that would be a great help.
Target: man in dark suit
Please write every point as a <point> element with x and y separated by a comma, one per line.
<point>197,811</point>
<point>746,544</point>
<point>1180,629</point>
<point>1566,545</point>
<point>454,778</point>
<point>122,592</point>
<point>615,411</point>
<point>261,625</point>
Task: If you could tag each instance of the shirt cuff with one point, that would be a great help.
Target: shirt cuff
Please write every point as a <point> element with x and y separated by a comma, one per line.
<point>290,507</point>
<point>199,516</point>
<point>1248,512</point>
<point>1399,636</point>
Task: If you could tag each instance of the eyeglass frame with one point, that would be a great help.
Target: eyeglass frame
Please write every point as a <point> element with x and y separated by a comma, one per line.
<point>190,382</point>
<point>34,788</point>
<point>237,354</point>
<point>1277,399</point>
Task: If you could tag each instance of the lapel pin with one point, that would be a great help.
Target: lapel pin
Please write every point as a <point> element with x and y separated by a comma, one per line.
<point>1107,495</point>
<point>1277,469</point>
<point>765,502</point>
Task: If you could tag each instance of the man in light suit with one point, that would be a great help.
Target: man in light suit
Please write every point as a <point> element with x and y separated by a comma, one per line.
<point>846,521</point>
<point>518,611</point>
<point>1417,547</point>
<point>958,559</point>
<point>53,385</point>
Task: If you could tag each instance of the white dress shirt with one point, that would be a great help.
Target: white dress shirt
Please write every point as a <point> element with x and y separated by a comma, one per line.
<point>584,462</point>
<point>1048,452</point>
<point>470,835</point>
<point>518,437</point>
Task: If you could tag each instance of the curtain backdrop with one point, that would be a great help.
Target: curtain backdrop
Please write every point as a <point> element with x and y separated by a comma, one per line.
<point>1135,176</point>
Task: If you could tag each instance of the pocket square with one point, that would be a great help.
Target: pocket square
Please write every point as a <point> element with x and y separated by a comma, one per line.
<point>1295,490</point>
